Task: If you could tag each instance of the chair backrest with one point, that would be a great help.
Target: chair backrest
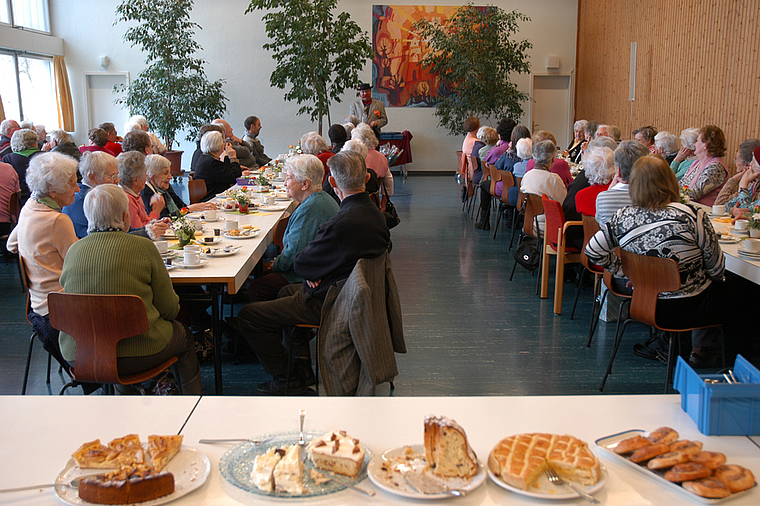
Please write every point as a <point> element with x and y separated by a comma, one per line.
<point>486,171</point>
<point>495,176</point>
<point>650,276</point>
<point>555,219</point>
<point>14,207</point>
<point>533,207</point>
<point>461,164</point>
<point>97,323</point>
<point>472,165</point>
<point>508,180</point>
<point>197,190</point>
<point>279,231</point>
<point>590,227</point>
<point>24,273</point>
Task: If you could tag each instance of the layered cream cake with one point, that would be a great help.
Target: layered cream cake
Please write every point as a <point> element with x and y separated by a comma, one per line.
<point>263,469</point>
<point>338,452</point>
<point>288,473</point>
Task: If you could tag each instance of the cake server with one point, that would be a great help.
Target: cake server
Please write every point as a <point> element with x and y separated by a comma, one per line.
<point>73,484</point>
<point>235,440</point>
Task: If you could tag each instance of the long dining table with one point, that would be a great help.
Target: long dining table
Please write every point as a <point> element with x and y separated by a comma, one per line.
<point>230,272</point>
<point>736,263</point>
<point>41,432</point>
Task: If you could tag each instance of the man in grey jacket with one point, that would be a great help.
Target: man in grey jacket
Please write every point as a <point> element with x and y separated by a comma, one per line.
<point>252,128</point>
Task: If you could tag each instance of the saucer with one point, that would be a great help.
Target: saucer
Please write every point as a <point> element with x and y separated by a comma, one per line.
<point>724,215</point>
<point>742,232</point>
<point>729,239</point>
<point>181,263</point>
<point>211,220</point>
<point>216,240</point>
<point>751,254</point>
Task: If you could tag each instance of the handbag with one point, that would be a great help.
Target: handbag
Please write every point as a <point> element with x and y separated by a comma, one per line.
<point>391,216</point>
<point>528,253</point>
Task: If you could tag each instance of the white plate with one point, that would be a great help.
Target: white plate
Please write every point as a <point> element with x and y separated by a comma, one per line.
<point>729,239</point>
<point>748,254</point>
<point>169,254</point>
<point>169,234</point>
<point>236,465</point>
<point>273,208</point>
<point>543,489</point>
<point>221,253</point>
<point>741,232</point>
<point>189,467</point>
<point>247,236</point>
<point>217,239</point>
<point>180,263</point>
<point>719,215</point>
<point>608,443</point>
<point>210,220</point>
<point>395,483</point>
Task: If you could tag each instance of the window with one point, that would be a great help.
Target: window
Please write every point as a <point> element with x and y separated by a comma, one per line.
<point>28,14</point>
<point>27,88</point>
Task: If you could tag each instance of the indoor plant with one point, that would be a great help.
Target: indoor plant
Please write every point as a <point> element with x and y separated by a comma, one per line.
<point>173,92</point>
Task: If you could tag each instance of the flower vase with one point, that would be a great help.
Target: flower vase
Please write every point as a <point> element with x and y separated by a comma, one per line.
<point>184,239</point>
<point>243,208</point>
<point>754,232</point>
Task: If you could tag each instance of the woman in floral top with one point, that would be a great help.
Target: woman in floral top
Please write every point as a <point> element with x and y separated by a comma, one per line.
<point>658,225</point>
<point>707,174</point>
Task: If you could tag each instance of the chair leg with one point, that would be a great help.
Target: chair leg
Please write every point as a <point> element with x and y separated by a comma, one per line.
<point>539,278</point>
<point>595,313</point>
<point>28,362</point>
<point>515,220</point>
<point>618,338</point>
<point>674,347</point>
<point>50,358</point>
<point>578,291</point>
<point>545,261</point>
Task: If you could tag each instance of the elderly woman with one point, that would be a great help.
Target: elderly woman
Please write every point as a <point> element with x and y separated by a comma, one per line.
<point>132,179</point>
<point>218,165</point>
<point>579,138</point>
<point>504,130</point>
<point>110,261</point>
<point>338,137</point>
<point>314,144</point>
<point>657,224</point>
<point>24,148</point>
<point>708,173</point>
<point>96,168</point>
<point>666,145</point>
<point>645,135</point>
<point>98,139</point>
<point>559,167</point>
<point>685,156</point>
<point>599,168</point>
<point>375,160</point>
<point>471,126</point>
<point>137,140</point>
<point>749,189</point>
<point>372,186</point>
<point>139,120</point>
<point>742,180</point>
<point>158,170</point>
<point>303,181</point>
<point>44,235</point>
<point>540,180</point>
<point>487,139</point>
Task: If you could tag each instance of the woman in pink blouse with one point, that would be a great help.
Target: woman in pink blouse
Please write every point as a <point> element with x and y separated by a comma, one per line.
<point>132,177</point>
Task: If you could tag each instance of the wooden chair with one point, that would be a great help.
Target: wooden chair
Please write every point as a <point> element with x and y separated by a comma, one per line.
<point>555,244</point>
<point>590,227</point>
<point>650,276</point>
<point>532,207</point>
<point>486,175</point>
<point>472,195</point>
<point>461,171</point>
<point>279,231</point>
<point>97,323</point>
<point>14,209</point>
<point>508,181</point>
<point>197,190</point>
<point>33,337</point>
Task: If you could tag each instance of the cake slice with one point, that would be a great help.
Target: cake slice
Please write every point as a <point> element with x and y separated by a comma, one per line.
<point>263,469</point>
<point>125,451</point>
<point>337,452</point>
<point>129,484</point>
<point>162,449</point>
<point>288,473</point>
<point>447,451</point>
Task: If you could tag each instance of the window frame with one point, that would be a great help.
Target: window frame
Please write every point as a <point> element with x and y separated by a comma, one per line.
<point>15,54</point>
<point>11,22</point>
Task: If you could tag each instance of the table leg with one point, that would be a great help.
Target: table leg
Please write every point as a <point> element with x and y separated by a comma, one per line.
<point>216,330</point>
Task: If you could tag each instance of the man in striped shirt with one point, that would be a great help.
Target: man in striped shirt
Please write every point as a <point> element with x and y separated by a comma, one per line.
<point>617,197</point>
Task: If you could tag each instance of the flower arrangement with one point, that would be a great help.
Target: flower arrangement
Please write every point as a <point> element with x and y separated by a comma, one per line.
<point>183,228</point>
<point>243,200</point>
<point>277,166</point>
<point>295,149</point>
<point>262,180</point>
<point>753,218</point>
<point>684,195</point>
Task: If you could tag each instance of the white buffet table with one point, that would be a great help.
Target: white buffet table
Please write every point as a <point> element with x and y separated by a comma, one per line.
<point>739,265</point>
<point>50,428</point>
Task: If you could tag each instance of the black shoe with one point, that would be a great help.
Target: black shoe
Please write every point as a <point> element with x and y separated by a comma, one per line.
<point>278,386</point>
<point>644,351</point>
<point>303,368</point>
<point>705,360</point>
<point>483,224</point>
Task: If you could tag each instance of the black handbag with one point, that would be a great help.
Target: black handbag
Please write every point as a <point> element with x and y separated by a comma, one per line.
<point>391,216</point>
<point>528,253</point>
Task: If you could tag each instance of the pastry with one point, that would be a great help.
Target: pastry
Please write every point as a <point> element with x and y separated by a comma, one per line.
<point>128,484</point>
<point>519,460</point>
<point>664,435</point>
<point>124,451</point>
<point>288,473</point>
<point>447,451</point>
<point>631,444</point>
<point>689,447</point>
<point>736,478</point>
<point>263,468</point>
<point>162,449</point>
<point>338,452</point>
<point>711,460</point>
<point>649,452</point>
<point>667,460</point>
<point>707,487</point>
<point>687,471</point>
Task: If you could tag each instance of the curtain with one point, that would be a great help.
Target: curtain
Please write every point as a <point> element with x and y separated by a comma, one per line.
<point>2,110</point>
<point>63,95</point>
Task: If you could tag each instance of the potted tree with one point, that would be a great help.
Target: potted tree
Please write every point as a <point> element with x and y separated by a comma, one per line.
<point>173,92</point>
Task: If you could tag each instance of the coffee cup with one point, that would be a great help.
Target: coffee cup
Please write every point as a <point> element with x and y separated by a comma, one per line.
<point>192,258</point>
<point>741,224</point>
<point>230,224</point>
<point>192,248</point>
<point>752,245</point>
<point>210,214</point>
<point>270,200</point>
<point>719,210</point>
<point>162,247</point>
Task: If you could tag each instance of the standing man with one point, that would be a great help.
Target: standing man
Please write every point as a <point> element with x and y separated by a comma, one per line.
<point>370,111</point>
<point>252,128</point>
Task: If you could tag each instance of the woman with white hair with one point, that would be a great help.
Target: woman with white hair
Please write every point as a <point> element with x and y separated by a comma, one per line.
<point>218,164</point>
<point>110,261</point>
<point>579,137</point>
<point>372,186</point>
<point>158,170</point>
<point>43,237</point>
<point>599,167</point>
<point>24,148</point>
<point>314,144</point>
<point>303,182</point>
<point>132,177</point>
<point>685,156</point>
<point>142,123</point>
<point>375,160</point>
<point>540,179</point>
<point>96,167</point>
<point>666,145</point>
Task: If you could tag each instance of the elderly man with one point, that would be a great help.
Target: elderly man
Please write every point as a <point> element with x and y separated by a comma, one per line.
<point>142,123</point>
<point>617,197</point>
<point>7,129</point>
<point>114,140</point>
<point>370,111</point>
<point>610,131</point>
<point>242,150</point>
<point>24,146</point>
<point>98,139</point>
<point>252,129</point>
<point>357,231</point>
<point>60,142</point>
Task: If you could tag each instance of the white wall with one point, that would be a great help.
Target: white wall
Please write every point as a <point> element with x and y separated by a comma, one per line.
<point>232,44</point>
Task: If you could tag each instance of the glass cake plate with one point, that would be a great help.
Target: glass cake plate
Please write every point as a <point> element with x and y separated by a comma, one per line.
<point>236,465</point>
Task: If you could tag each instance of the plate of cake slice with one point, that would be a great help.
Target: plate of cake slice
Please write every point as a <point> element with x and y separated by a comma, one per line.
<point>279,468</point>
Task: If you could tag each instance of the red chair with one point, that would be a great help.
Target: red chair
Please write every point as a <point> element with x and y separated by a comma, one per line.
<point>555,244</point>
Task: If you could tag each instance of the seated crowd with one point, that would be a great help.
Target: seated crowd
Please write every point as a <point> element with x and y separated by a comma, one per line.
<point>648,197</point>
<point>95,236</point>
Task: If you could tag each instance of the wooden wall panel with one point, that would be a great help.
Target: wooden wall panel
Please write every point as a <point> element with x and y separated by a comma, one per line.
<point>697,64</point>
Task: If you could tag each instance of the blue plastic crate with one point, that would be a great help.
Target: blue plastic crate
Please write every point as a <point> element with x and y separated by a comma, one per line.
<point>721,409</point>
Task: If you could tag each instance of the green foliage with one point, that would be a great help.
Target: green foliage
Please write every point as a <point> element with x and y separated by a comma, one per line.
<point>473,56</point>
<point>173,92</point>
<point>318,56</point>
